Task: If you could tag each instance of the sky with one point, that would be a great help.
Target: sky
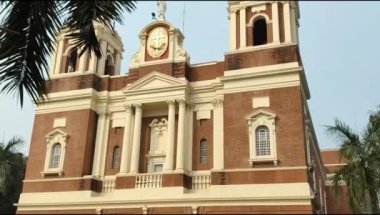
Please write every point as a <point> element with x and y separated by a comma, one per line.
<point>339,44</point>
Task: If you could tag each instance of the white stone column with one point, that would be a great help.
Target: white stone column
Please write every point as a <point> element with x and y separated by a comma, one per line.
<point>293,22</point>
<point>243,28</point>
<point>170,144</point>
<point>103,156</point>
<point>136,139</point>
<point>181,135</point>
<point>287,28</point>
<point>126,139</point>
<point>117,63</point>
<point>83,61</point>
<point>275,23</point>
<point>102,61</point>
<point>232,18</point>
<point>98,143</point>
<point>58,58</point>
<point>218,135</point>
<point>93,63</point>
<point>189,131</point>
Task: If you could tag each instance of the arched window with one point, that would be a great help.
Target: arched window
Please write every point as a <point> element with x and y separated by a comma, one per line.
<point>262,141</point>
<point>260,32</point>
<point>72,61</point>
<point>203,151</point>
<point>116,157</point>
<point>55,156</point>
<point>109,66</point>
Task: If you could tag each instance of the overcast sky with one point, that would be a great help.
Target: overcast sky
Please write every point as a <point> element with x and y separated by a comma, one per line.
<point>339,44</point>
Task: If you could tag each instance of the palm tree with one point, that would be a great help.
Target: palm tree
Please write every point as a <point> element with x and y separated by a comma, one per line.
<point>12,169</point>
<point>361,175</point>
<point>27,38</point>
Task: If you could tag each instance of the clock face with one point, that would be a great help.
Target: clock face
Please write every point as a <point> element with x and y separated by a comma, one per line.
<point>157,42</point>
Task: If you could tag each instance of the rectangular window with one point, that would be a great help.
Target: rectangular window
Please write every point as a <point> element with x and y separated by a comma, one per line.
<point>158,167</point>
<point>203,151</point>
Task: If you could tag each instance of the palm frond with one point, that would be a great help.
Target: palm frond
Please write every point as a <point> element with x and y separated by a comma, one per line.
<point>14,141</point>
<point>81,17</point>
<point>351,147</point>
<point>23,56</point>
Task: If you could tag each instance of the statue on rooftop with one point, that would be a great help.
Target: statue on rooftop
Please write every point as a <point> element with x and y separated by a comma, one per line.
<point>161,10</point>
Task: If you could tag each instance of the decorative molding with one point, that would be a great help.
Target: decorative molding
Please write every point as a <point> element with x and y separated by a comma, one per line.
<point>171,103</point>
<point>244,194</point>
<point>256,119</point>
<point>218,103</point>
<point>55,137</point>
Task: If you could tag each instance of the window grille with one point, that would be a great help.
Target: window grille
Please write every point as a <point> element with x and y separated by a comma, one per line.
<point>262,141</point>
<point>55,156</point>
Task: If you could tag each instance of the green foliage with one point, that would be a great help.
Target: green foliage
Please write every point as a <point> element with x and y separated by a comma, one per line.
<point>12,170</point>
<point>361,175</point>
<point>27,38</point>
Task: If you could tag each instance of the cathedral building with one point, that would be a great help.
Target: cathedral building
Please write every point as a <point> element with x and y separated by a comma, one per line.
<point>232,136</point>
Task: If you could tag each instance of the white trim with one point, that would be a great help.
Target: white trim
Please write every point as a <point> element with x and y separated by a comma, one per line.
<point>218,134</point>
<point>275,23</point>
<point>256,17</point>
<point>55,137</point>
<point>287,27</point>
<point>255,120</point>
<point>260,47</point>
<point>243,28</point>
<point>205,64</point>
<point>232,23</point>
<point>339,164</point>
<point>253,194</point>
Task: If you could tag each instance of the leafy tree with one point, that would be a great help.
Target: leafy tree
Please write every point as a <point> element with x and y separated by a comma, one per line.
<point>361,175</point>
<point>12,169</point>
<point>27,37</point>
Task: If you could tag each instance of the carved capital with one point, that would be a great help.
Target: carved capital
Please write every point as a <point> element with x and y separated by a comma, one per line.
<point>190,106</point>
<point>103,114</point>
<point>137,106</point>
<point>128,107</point>
<point>218,103</point>
<point>181,102</point>
<point>171,103</point>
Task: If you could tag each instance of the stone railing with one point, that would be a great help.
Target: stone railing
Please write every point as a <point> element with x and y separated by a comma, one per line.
<point>108,185</point>
<point>201,181</point>
<point>148,180</point>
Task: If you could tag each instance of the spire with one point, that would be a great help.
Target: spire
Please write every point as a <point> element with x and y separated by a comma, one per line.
<point>161,10</point>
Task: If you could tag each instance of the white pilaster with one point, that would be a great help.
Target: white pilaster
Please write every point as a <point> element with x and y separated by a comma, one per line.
<point>136,139</point>
<point>232,18</point>
<point>117,63</point>
<point>180,135</point>
<point>83,62</point>
<point>170,144</point>
<point>102,61</point>
<point>293,22</point>
<point>189,129</point>
<point>275,23</point>
<point>102,164</point>
<point>58,58</point>
<point>287,28</point>
<point>93,63</point>
<point>218,135</point>
<point>98,143</point>
<point>126,139</point>
<point>243,28</point>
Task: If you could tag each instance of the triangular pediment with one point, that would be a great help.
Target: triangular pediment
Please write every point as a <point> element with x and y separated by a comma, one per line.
<point>261,112</point>
<point>155,80</point>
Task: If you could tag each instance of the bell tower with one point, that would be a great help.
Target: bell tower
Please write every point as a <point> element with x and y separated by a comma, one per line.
<point>67,61</point>
<point>262,23</point>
